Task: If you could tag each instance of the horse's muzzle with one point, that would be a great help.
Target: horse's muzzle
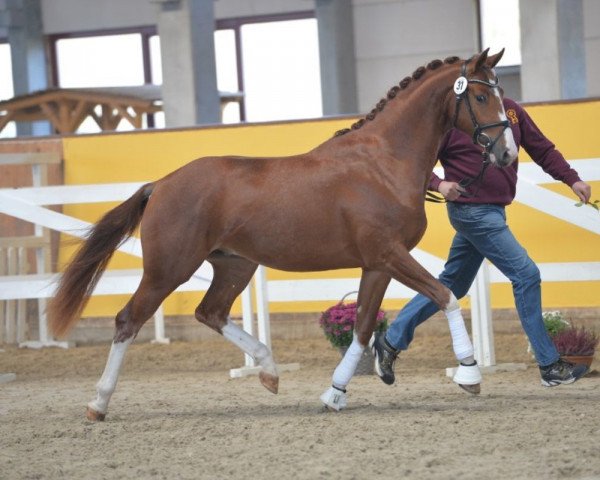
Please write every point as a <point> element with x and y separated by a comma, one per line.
<point>504,151</point>
<point>503,159</point>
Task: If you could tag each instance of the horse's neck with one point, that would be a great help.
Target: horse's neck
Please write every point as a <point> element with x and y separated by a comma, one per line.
<point>414,124</point>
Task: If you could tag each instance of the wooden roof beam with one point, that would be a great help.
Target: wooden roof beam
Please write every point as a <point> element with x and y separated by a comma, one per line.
<point>51,114</point>
<point>4,119</point>
<point>134,120</point>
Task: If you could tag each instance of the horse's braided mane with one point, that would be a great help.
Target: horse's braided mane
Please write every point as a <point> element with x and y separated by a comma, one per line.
<point>395,90</point>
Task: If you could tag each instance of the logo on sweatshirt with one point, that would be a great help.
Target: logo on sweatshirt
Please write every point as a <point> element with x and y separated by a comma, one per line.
<point>512,116</point>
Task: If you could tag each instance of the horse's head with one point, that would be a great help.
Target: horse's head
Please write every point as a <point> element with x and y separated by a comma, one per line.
<point>478,108</point>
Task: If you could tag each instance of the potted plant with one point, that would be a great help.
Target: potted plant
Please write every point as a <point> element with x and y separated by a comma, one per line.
<point>574,344</point>
<point>338,322</point>
<point>554,322</point>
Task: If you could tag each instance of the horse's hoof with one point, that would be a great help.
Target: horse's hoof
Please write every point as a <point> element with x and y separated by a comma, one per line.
<point>270,382</point>
<point>94,416</point>
<point>327,408</point>
<point>472,389</point>
<point>467,375</point>
<point>334,399</point>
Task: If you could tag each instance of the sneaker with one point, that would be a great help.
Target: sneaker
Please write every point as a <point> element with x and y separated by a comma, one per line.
<point>385,356</point>
<point>562,372</point>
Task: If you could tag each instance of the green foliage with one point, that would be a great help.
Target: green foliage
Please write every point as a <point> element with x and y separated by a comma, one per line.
<point>554,322</point>
<point>595,204</point>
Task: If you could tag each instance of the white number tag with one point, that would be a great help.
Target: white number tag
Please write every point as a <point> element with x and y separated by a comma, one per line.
<point>460,85</point>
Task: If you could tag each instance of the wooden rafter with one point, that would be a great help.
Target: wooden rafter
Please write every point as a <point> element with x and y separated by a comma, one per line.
<point>79,113</point>
<point>4,119</point>
<point>49,110</point>
<point>134,120</point>
<point>67,109</point>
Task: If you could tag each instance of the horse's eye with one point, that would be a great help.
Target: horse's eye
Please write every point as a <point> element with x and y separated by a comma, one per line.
<point>481,98</point>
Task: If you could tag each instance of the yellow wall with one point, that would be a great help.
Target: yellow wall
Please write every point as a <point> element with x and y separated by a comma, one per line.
<point>146,156</point>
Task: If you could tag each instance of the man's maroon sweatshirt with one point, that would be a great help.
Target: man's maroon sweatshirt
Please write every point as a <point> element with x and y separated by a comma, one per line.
<point>461,159</point>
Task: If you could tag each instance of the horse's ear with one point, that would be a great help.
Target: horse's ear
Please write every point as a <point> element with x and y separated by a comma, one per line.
<point>493,60</point>
<point>481,59</point>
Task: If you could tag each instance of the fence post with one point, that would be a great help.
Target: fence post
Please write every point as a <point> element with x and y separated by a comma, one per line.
<point>248,319</point>
<point>481,318</point>
<point>39,175</point>
<point>159,327</point>
<point>262,306</point>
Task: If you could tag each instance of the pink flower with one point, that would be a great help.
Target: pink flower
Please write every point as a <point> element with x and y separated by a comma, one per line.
<point>338,322</point>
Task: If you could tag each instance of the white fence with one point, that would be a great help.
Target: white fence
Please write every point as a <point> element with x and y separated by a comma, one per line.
<point>28,204</point>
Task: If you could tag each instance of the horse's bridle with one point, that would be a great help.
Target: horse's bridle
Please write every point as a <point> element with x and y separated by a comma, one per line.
<point>461,89</point>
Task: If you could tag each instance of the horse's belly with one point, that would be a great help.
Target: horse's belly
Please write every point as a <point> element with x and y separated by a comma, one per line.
<point>309,264</point>
<point>296,257</point>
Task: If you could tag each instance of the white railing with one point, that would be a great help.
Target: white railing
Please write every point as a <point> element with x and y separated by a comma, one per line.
<point>25,204</point>
<point>28,204</point>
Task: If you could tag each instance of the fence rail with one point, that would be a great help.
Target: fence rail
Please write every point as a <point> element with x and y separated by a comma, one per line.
<point>28,204</point>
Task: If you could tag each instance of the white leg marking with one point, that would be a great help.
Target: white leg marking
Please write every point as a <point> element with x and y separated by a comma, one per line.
<point>250,345</point>
<point>108,382</point>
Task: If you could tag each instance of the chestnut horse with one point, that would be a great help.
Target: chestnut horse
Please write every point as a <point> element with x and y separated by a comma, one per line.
<point>365,186</point>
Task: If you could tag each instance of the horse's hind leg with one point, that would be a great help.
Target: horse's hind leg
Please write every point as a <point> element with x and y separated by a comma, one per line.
<point>231,275</point>
<point>142,305</point>
<point>96,409</point>
<point>372,289</point>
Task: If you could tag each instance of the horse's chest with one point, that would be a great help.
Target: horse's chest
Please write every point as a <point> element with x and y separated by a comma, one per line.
<point>411,227</point>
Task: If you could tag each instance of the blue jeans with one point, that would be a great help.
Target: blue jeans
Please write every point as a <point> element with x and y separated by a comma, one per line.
<point>481,231</point>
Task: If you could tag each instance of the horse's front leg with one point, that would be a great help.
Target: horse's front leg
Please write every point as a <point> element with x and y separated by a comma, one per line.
<point>408,271</point>
<point>372,289</point>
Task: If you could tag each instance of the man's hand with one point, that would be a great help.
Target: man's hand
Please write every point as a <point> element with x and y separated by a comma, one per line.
<point>452,190</point>
<point>581,189</point>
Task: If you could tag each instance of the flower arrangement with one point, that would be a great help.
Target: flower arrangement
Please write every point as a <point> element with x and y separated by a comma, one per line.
<point>338,323</point>
<point>576,341</point>
<point>569,339</point>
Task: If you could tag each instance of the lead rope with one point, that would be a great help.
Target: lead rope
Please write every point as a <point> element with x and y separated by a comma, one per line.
<point>469,181</point>
<point>434,197</point>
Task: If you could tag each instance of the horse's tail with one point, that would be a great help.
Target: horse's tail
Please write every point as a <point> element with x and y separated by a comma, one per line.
<point>85,269</point>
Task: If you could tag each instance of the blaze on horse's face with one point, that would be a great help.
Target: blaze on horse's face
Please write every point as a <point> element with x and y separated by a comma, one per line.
<point>482,114</point>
